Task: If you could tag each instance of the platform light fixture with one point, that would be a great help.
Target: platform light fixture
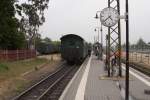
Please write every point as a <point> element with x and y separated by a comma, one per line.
<point>97,29</point>
<point>96,17</point>
<point>100,29</point>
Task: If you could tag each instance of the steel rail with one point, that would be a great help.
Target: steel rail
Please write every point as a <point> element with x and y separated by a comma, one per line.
<point>26,92</point>
<point>46,93</point>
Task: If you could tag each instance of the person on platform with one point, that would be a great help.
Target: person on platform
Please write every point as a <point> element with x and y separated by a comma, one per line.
<point>113,64</point>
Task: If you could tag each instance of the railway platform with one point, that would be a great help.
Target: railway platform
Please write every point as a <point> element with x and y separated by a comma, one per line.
<point>91,83</point>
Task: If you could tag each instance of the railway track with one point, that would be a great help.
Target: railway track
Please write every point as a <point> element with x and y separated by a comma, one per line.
<point>54,92</point>
<point>140,68</point>
<point>53,85</point>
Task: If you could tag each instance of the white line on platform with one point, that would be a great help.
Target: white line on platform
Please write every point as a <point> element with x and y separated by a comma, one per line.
<point>138,76</point>
<point>82,85</point>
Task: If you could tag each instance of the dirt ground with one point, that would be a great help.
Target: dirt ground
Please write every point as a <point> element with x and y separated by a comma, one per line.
<point>140,58</point>
<point>11,87</point>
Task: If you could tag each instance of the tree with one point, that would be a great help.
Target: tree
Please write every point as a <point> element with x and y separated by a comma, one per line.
<point>123,46</point>
<point>140,44</point>
<point>133,47</point>
<point>32,16</point>
<point>10,36</point>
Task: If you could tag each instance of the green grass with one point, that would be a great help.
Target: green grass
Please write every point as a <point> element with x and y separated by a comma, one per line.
<point>14,69</point>
<point>3,67</point>
<point>11,74</point>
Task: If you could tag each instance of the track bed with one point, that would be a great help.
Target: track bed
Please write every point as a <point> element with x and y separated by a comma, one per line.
<point>54,85</point>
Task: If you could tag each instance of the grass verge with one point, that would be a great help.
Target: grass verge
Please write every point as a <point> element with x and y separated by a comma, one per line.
<point>10,74</point>
<point>13,69</point>
<point>19,75</point>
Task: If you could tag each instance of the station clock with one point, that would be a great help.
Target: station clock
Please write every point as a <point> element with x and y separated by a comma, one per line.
<point>109,17</point>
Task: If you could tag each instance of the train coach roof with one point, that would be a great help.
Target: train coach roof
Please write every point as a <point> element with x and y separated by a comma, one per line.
<point>71,35</point>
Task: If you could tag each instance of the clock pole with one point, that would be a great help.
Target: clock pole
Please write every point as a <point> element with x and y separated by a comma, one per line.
<point>101,41</point>
<point>114,35</point>
<point>119,41</point>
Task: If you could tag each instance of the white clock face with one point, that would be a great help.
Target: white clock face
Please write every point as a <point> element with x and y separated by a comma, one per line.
<point>109,17</point>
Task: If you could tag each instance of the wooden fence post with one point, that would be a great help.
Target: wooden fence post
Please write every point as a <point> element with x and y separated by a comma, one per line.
<point>17,55</point>
<point>6,54</point>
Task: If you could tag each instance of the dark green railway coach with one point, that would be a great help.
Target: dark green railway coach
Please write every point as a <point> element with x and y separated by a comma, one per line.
<point>73,48</point>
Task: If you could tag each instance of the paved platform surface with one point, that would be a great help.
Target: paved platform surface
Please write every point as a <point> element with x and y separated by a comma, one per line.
<point>100,89</point>
<point>87,84</point>
<point>138,84</point>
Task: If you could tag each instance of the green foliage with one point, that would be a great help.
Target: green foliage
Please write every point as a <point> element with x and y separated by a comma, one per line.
<point>56,43</point>
<point>123,46</point>
<point>3,67</point>
<point>47,46</point>
<point>32,16</point>
<point>140,43</point>
<point>14,32</point>
<point>47,40</point>
<point>10,37</point>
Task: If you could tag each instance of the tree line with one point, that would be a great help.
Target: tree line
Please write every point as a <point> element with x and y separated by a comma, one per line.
<point>47,46</point>
<point>141,45</point>
<point>20,22</point>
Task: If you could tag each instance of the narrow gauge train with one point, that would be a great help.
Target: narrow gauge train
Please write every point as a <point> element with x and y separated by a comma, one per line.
<point>73,48</point>
<point>48,48</point>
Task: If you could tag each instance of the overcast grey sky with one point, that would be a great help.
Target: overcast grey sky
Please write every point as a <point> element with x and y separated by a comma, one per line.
<point>77,17</point>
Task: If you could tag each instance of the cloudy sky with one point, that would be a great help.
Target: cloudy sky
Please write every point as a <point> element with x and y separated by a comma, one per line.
<point>77,17</point>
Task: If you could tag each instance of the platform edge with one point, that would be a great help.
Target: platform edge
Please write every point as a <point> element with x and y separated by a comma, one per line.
<point>69,84</point>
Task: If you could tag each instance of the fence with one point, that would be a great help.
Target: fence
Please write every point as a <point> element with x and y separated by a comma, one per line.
<point>138,57</point>
<point>13,55</point>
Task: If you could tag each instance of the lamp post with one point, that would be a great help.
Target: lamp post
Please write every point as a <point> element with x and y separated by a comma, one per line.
<point>97,29</point>
<point>97,17</point>
<point>101,41</point>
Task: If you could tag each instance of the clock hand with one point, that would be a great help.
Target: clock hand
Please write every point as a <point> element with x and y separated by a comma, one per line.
<point>110,17</point>
<point>106,19</point>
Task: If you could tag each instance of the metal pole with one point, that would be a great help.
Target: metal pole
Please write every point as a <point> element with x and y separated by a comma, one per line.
<point>119,40</point>
<point>106,60</point>
<point>108,46</point>
<point>108,55</point>
<point>127,53</point>
<point>102,41</point>
<point>98,42</point>
<point>108,52</point>
<point>98,34</point>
